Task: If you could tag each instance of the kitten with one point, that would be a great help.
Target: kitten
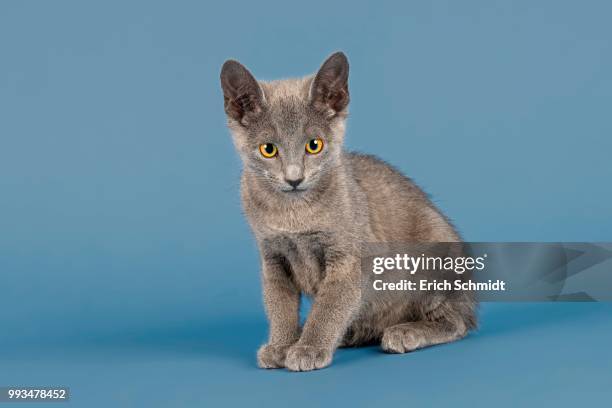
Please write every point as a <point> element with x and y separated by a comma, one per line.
<point>311,205</point>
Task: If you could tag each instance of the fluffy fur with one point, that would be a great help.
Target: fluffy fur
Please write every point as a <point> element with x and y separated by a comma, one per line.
<point>310,236</point>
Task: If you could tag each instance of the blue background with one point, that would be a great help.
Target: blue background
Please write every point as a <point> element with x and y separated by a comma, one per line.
<point>127,271</point>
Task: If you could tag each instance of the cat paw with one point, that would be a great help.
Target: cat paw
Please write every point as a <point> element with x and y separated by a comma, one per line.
<point>399,340</point>
<point>271,356</point>
<point>306,358</point>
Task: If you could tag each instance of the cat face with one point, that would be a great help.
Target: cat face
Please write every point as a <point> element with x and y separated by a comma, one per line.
<point>288,133</point>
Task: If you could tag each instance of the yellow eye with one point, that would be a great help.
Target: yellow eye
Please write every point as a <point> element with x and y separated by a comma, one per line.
<point>268,150</point>
<point>314,146</point>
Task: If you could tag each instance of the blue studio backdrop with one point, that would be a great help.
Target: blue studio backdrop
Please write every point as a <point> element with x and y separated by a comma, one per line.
<point>127,271</point>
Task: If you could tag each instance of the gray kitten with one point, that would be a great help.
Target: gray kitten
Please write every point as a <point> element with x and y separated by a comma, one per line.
<point>311,205</point>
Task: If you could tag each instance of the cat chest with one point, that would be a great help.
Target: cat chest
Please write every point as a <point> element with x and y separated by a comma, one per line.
<point>305,257</point>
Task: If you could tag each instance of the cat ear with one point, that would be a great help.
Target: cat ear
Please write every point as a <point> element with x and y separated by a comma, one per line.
<point>329,89</point>
<point>242,94</point>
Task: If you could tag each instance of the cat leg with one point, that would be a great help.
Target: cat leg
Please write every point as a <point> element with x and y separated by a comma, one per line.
<point>332,310</point>
<point>282,302</point>
<point>406,337</point>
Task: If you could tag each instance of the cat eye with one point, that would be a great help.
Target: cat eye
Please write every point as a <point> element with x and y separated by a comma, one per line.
<point>268,150</point>
<point>314,146</point>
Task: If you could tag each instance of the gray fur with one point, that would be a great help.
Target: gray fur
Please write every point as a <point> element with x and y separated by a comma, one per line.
<point>310,238</point>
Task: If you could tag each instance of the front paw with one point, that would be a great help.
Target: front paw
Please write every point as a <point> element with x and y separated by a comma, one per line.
<point>306,358</point>
<point>272,356</point>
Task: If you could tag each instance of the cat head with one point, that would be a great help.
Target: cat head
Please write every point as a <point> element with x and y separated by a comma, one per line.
<point>289,133</point>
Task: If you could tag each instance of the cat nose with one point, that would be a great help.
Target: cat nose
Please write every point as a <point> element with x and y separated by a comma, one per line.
<point>294,175</point>
<point>295,182</point>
